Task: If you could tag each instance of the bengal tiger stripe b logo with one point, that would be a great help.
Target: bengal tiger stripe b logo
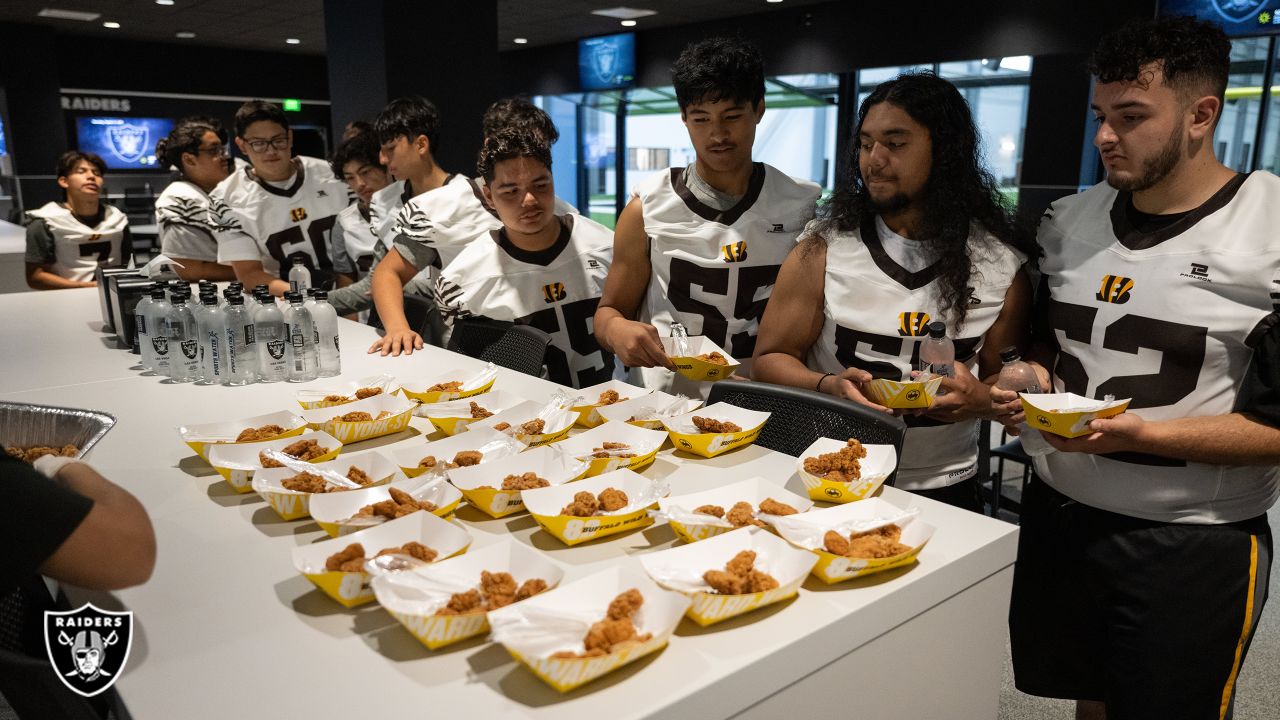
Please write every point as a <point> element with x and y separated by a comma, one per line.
<point>913,324</point>
<point>298,214</point>
<point>554,292</point>
<point>1115,289</point>
<point>737,252</point>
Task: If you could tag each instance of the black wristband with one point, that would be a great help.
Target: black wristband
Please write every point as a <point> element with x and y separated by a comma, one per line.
<point>818,387</point>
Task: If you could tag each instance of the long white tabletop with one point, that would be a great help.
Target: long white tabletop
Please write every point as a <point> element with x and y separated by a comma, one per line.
<point>227,628</point>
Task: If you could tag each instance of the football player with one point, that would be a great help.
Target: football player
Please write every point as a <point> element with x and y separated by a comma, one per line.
<point>67,240</point>
<point>919,234</point>
<point>701,245</point>
<point>1145,552</point>
<point>277,209</point>
<point>539,268</point>
<point>196,150</point>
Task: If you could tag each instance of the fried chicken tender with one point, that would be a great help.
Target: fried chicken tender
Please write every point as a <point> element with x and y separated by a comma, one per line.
<point>742,514</point>
<point>835,543</point>
<point>451,386</point>
<point>533,427</point>
<point>715,510</point>
<point>305,450</point>
<point>615,629</point>
<point>612,499</point>
<point>759,581</point>
<point>584,505</point>
<point>740,576</point>
<point>305,482</point>
<point>741,563</point>
<point>32,454</point>
<point>367,392</point>
<point>711,425</point>
<point>413,549</point>
<point>609,449</point>
<point>463,603</point>
<point>400,504</point>
<point>879,543</point>
<point>498,588</point>
<point>725,583</point>
<point>348,559</point>
<point>773,507</point>
<point>430,461</point>
<point>625,605</point>
<point>839,466</point>
<point>502,426</point>
<point>467,458</point>
<point>713,357</point>
<point>262,433</point>
<point>530,587</point>
<point>478,412</point>
<point>527,481</point>
<point>337,399</point>
<point>609,397</point>
<point>356,475</point>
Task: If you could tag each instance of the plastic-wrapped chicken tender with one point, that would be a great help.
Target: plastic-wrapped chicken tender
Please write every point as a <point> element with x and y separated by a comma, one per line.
<point>292,499</point>
<point>496,488</point>
<point>731,574</point>
<point>347,512</point>
<point>697,358</point>
<point>605,394</point>
<point>237,463</point>
<point>536,424</point>
<point>454,416</point>
<point>258,428</point>
<point>614,446</point>
<point>649,410</point>
<point>363,419</point>
<point>707,513</point>
<point>548,633</point>
<point>619,502</point>
<point>463,450</point>
<point>451,384</point>
<point>857,538</point>
<point>711,431</point>
<point>350,392</point>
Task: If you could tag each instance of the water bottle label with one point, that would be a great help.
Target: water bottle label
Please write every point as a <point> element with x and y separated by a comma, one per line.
<point>248,334</point>
<point>275,349</point>
<point>141,322</point>
<point>335,342</point>
<point>190,349</point>
<point>160,345</point>
<point>315,336</point>
<point>298,341</point>
<point>294,286</point>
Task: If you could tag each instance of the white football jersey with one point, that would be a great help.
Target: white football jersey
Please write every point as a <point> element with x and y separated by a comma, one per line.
<point>713,270</point>
<point>556,290</point>
<point>1164,318</point>
<point>182,212</point>
<point>384,208</point>
<point>876,314</point>
<point>79,249</point>
<point>255,220</point>
<point>357,236</point>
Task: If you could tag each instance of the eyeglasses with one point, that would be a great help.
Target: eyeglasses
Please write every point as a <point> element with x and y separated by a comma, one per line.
<point>279,142</point>
<point>215,151</point>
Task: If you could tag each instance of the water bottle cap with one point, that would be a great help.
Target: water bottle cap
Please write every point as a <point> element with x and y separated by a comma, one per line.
<point>235,284</point>
<point>299,260</point>
<point>260,287</point>
<point>937,329</point>
<point>209,299</point>
<point>322,295</point>
<point>157,292</point>
<point>236,299</point>
<point>1009,354</point>
<point>310,291</point>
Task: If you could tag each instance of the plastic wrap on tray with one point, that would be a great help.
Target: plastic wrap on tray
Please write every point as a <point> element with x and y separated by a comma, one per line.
<point>24,425</point>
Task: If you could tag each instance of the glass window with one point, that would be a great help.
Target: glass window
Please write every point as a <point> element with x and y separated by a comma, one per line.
<point>1235,135</point>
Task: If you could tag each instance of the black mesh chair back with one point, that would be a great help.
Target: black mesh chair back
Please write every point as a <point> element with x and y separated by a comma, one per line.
<point>522,348</point>
<point>799,417</point>
<point>424,319</point>
<point>32,689</point>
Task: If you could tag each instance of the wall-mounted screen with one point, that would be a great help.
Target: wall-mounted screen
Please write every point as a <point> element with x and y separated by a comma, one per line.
<point>125,143</point>
<point>608,62</point>
<point>1237,17</point>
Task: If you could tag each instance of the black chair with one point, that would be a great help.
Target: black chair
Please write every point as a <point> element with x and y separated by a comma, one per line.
<point>799,417</point>
<point>424,319</point>
<point>32,689</point>
<point>1010,451</point>
<point>522,348</point>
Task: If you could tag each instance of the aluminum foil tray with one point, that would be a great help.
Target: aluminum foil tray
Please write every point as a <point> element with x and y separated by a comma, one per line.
<point>25,425</point>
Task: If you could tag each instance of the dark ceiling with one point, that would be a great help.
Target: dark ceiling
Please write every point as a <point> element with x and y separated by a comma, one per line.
<point>265,25</point>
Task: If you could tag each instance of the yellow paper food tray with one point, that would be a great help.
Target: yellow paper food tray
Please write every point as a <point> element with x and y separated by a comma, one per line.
<point>1067,414</point>
<point>753,490</point>
<point>201,437</point>
<point>644,445</point>
<point>315,399</point>
<point>326,419</point>
<point>294,505</point>
<point>454,416</point>
<point>545,505</point>
<point>417,388</point>
<point>554,431</point>
<point>587,598</point>
<point>352,588</point>
<point>880,462</point>
<point>588,412</point>
<point>334,511</point>
<point>709,445</point>
<point>904,395</point>
<point>623,411</point>
<point>409,454</point>
<point>415,596</point>
<point>679,568</point>
<point>238,462</point>
<point>482,484</point>
<point>695,369</point>
<point>806,531</point>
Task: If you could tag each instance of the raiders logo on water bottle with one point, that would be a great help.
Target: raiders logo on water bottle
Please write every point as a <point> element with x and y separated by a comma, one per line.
<point>275,348</point>
<point>161,345</point>
<point>190,348</point>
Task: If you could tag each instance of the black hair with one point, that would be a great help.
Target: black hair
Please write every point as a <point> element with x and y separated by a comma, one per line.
<point>719,68</point>
<point>1194,55</point>
<point>509,144</point>
<point>186,137</point>
<point>519,113</point>
<point>355,127</point>
<point>409,117</point>
<point>960,191</point>
<point>258,111</point>
<point>71,158</point>
<point>361,147</point>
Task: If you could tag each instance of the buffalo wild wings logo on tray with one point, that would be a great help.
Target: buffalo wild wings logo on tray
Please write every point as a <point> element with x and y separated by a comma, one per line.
<point>88,647</point>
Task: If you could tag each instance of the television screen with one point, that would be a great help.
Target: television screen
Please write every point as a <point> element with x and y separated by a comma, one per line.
<point>607,63</point>
<point>125,143</point>
<point>1236,17</point>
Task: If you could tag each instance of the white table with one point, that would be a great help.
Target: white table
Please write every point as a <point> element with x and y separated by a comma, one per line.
<point>226,628</point>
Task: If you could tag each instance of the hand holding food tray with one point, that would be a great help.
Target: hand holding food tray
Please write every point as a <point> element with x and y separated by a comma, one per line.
<point>914,394</point>
<point>700,360</point>
<point>1067,414</point>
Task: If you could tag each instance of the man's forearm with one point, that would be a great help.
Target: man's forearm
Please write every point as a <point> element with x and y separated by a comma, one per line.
<point>1232,439</point>
<point>193,270</point>
<point>42,279</point>
<point>781,368</point>
<point>388,295</point>
<point>605,316</point>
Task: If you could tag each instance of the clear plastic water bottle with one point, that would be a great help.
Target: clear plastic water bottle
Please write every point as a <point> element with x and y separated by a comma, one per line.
<point>326,320</point>
<point>272,342</point>
<point>937,352</point>
<point>303,362</point>
<point>140,313</point>
<point>184,343</point>
<point>299,275</point>
<point>1015,374</point>
<point>241,362</point>
<point>156,352</point>
<point>209,325</point>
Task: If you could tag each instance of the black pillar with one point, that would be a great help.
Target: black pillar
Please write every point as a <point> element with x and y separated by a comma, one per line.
<point>383,49</point>
<point>36,129</point>
<point>1054,142</point>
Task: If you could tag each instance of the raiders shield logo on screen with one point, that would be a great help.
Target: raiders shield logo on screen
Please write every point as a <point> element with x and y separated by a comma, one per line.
<point>88,647</point>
